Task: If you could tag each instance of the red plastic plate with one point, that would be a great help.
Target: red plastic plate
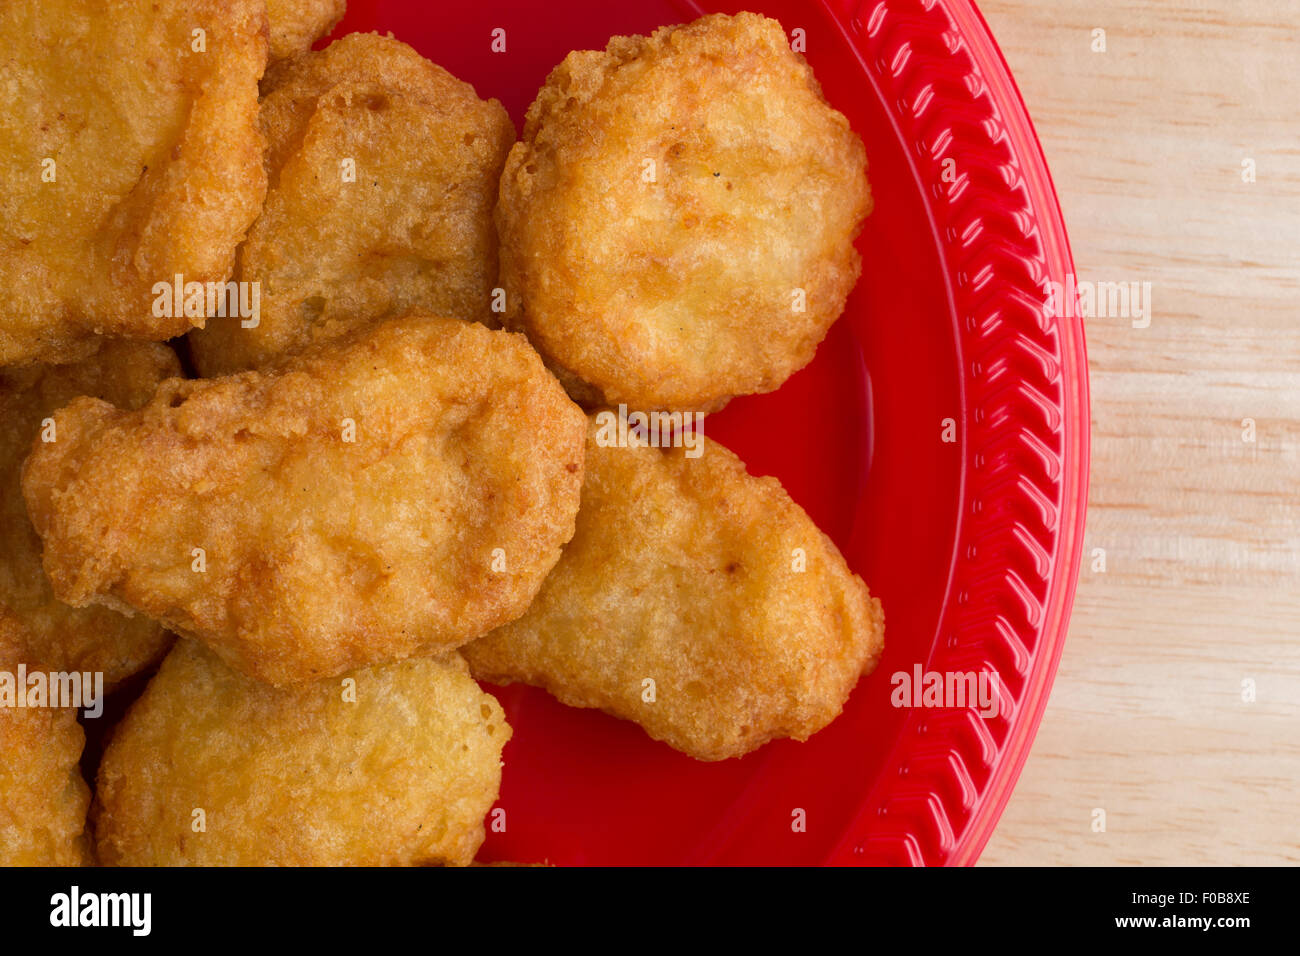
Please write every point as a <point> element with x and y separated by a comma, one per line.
<point>973,545</point>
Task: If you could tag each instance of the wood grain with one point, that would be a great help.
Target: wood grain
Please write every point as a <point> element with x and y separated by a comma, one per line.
<point>1200,527</point>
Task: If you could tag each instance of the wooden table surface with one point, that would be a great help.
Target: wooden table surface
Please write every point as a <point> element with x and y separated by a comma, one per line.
<point>1151,719</point>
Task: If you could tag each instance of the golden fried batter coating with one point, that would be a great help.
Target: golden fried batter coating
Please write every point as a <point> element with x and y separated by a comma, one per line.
<point>297,24</point>
<point>127,157</point>
<point>685,572</point>
<point>408,225</point>
<point>393,764</point>
<point>65,638</point>
<point>43,800</point>
<point>398,492</point>
<point>675,201</point>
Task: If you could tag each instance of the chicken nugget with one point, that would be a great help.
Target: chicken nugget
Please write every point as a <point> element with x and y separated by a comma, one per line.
<point>696,600</point>
<point>389,765</point>
<point>384,170</point>
<point>129,155</point>
<point>297,24</point>
<point>95,639</point>
<point>397,492</point>
<point>677,224</point>
<point>43,799</point>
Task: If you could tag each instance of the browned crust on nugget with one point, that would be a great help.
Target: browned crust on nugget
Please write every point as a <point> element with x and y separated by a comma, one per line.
<point>677,223</point>
<point>156,173</point>
<point>297,24</point>
<point>43,800</point>
<point>390,765</point>
<point>398,492</point>
<point>92,639</point>
<point>684,571</point>
<point>412,229</point>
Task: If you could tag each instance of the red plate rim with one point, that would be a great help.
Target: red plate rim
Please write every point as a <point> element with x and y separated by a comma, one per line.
<point>1025,477</point>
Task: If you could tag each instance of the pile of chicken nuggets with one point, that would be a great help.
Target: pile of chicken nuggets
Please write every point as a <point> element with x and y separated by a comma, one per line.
<point>304,364</point>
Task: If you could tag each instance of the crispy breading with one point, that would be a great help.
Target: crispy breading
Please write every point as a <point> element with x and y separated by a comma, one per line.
<point>710,583</point>
<point>43,800</point>
<point>397,492</point>
<point>392,764</point>
<point>297,24</point>
<point>407,225</point>
<point>677,224</point>
<point>127,157</point>
<point>65,638</point>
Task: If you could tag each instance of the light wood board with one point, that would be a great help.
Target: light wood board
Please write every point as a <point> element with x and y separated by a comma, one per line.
<point>1200,526</point>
